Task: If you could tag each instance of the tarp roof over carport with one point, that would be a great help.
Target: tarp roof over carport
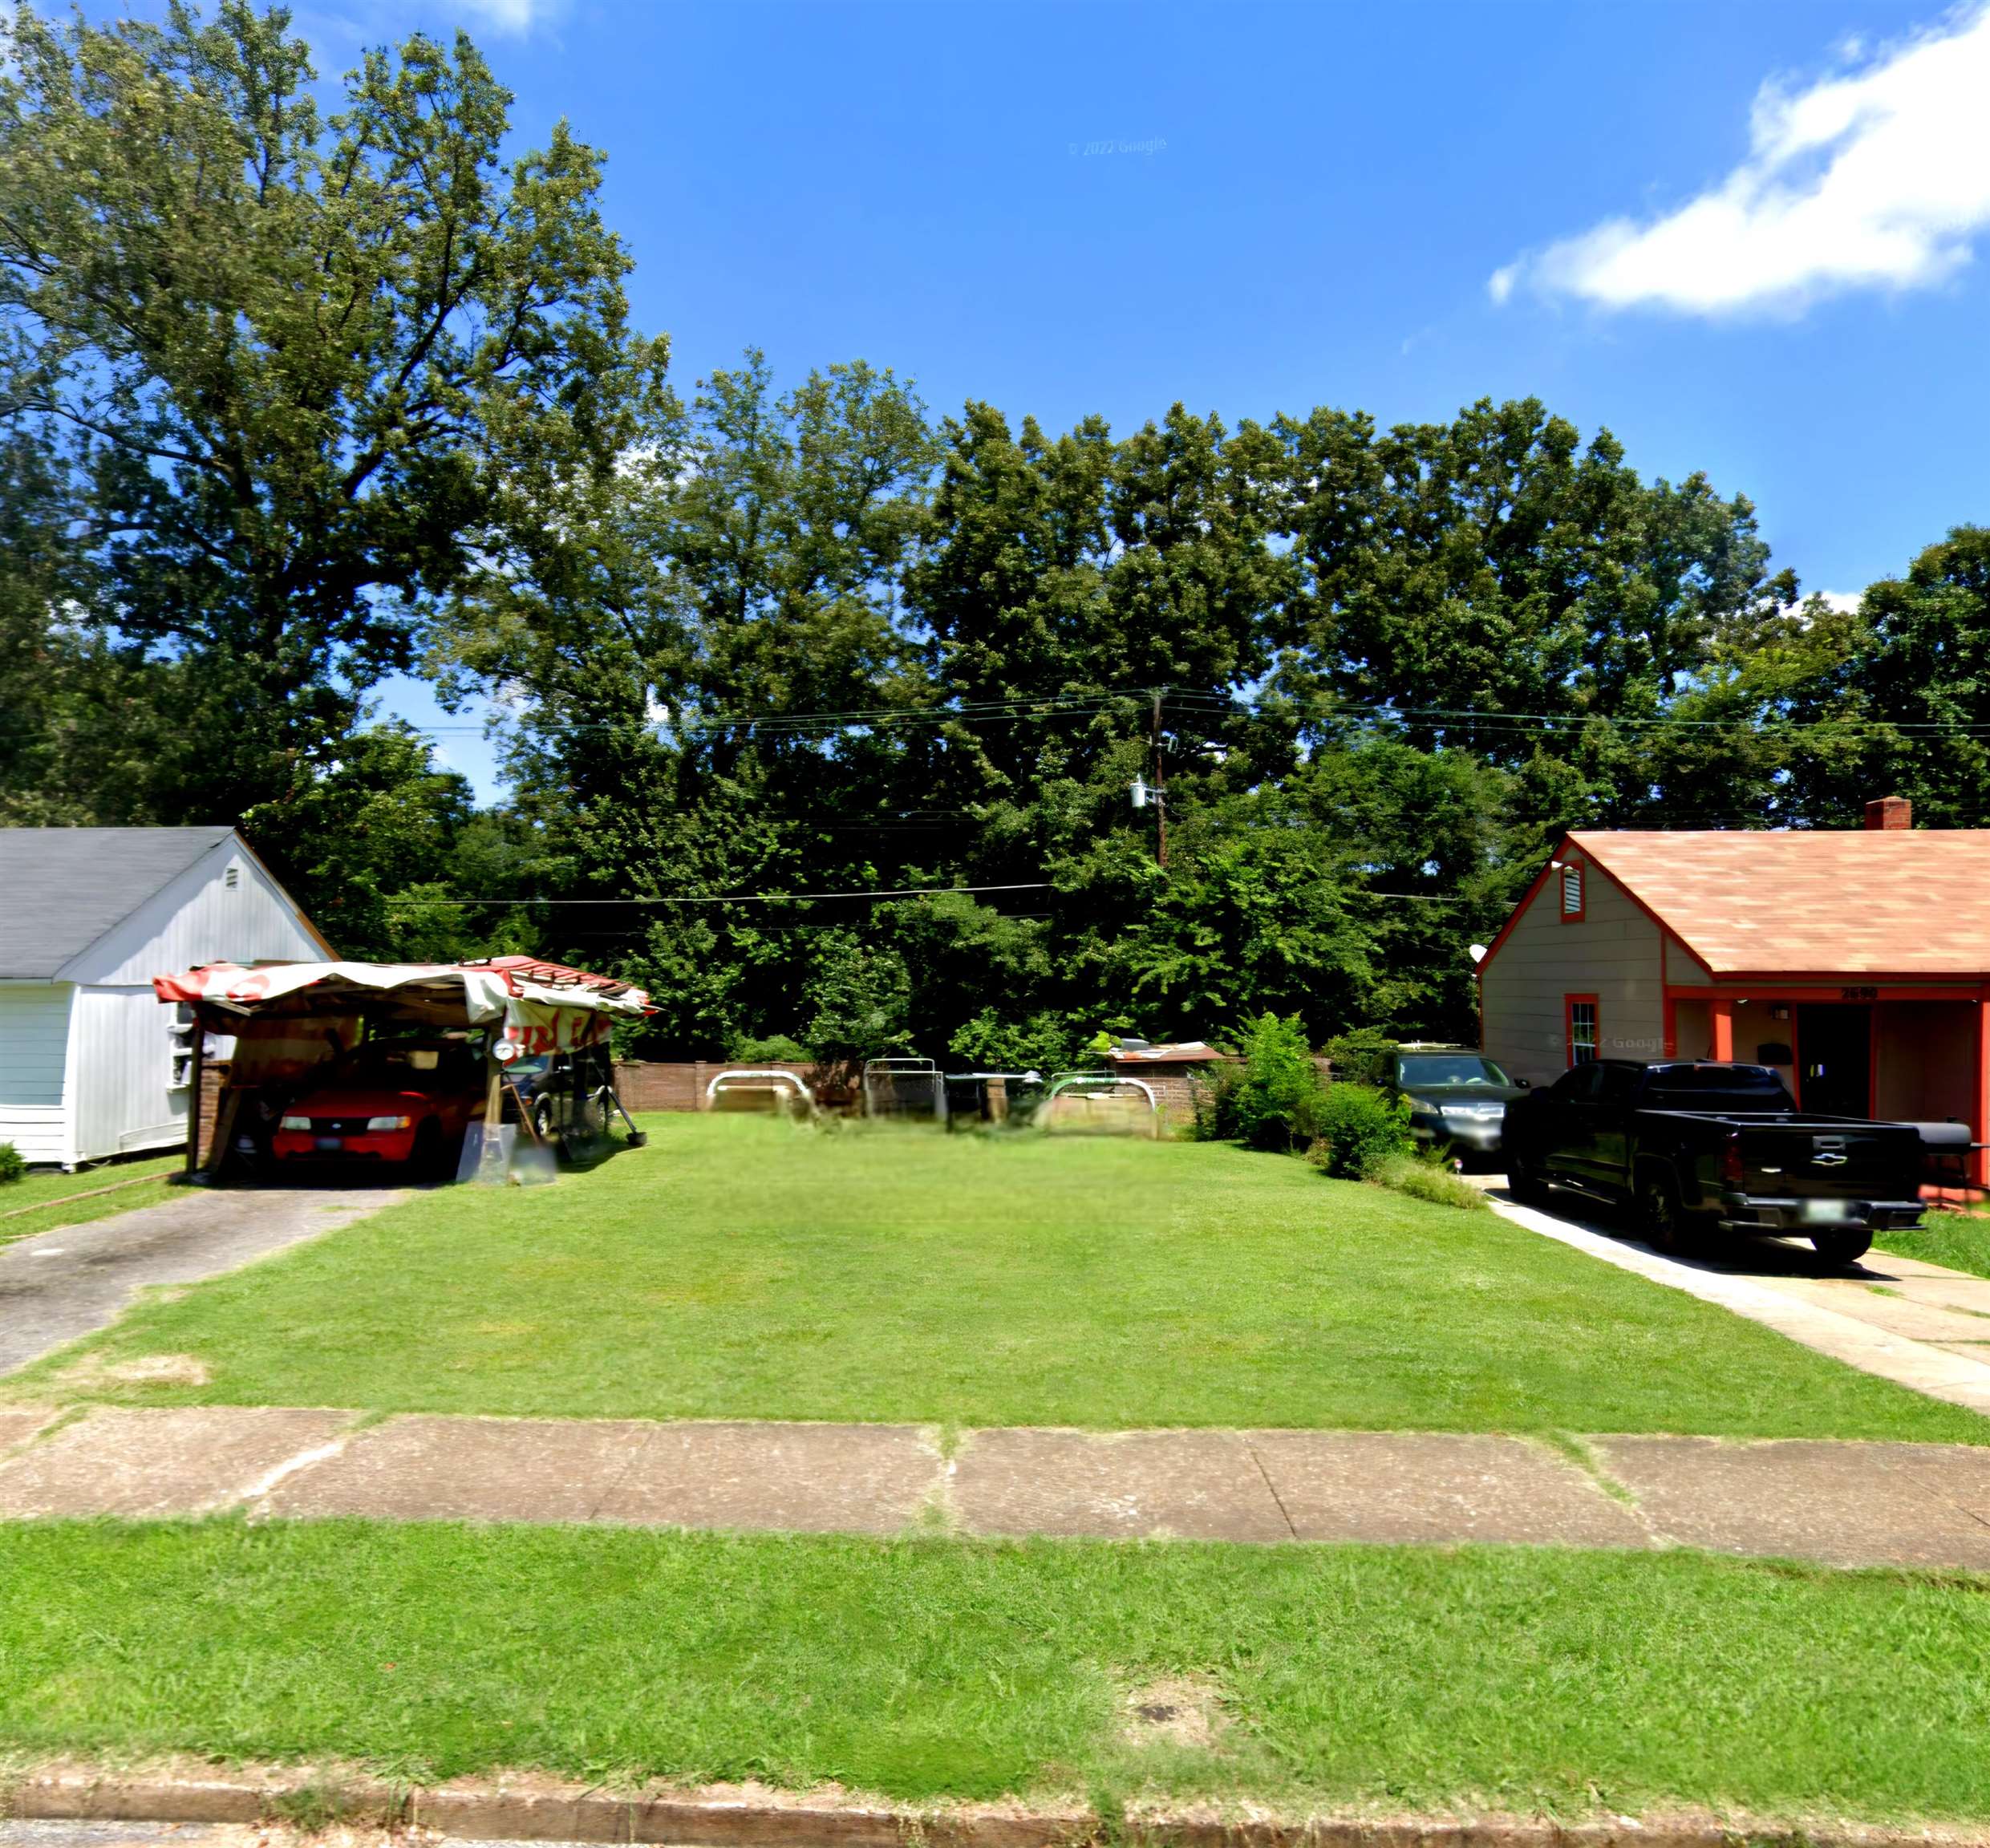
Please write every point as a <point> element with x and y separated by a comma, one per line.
<point>541,1006</point>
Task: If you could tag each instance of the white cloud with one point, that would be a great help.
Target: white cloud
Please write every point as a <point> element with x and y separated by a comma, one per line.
<point>338,33</point>
<point>1876,177</point>
<point>518,16</point>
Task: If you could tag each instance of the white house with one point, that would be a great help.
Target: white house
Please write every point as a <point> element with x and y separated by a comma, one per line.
<point>91,1065</point>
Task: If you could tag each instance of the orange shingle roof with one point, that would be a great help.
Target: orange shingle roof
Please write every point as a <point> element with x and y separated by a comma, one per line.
<point>1860,901</point>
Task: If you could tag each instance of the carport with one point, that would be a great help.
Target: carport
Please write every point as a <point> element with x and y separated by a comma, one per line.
<point>264,1034</point>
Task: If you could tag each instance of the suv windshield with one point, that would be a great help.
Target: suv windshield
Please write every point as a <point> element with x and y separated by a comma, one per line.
<point>1448,1068</point>
<point>1732,1090</point>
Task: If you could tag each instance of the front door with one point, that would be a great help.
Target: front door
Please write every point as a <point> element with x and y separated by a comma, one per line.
<point>1835,1049</point>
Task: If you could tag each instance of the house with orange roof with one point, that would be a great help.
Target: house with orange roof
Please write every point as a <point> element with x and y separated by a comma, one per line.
<point>1857,961</point>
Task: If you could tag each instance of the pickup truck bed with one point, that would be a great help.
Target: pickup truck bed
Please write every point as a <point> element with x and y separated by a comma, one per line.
<point>1749,1162</point>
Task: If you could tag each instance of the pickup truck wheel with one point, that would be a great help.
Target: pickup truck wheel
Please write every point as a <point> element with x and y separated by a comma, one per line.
<point>1836,1249</point>
<point>1660,1219</point>
<point>1523,1183</point>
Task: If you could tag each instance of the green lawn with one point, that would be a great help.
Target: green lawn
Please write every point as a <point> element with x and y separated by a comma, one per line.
<point>1392,1677</point>
<point>738,1267</point>
<point>1960,1241</point>
<point>52,1195</point>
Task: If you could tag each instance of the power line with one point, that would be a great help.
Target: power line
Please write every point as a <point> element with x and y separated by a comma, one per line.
<point>1054,707</point>
<point>897,892</point>
<point>762,897</point>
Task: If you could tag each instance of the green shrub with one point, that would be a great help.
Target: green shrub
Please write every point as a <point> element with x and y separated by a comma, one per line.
<point>1358,1129</point>
<point>1214,1090</point>
<point>776,1049</point>
<point>1423,1179</point>
<point>1278,1099</point>
<point>1361,1057</point>
<point>12,1167</point>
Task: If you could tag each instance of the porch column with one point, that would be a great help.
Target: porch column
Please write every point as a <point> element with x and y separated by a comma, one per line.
<point>1979,1125</point>
<point>1721,1019</point>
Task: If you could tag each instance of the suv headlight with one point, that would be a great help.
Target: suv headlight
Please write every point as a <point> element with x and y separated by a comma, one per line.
<point>388,1122</point>
<point>295,1122</point>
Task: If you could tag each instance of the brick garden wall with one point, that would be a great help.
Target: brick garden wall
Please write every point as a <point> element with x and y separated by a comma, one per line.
<point>644,1085</point>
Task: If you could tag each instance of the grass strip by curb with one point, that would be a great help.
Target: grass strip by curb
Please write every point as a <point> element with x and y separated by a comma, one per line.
<point>1346,1679</point>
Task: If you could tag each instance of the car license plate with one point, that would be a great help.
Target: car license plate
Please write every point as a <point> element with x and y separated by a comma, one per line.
<point>1826,1212</point>
<point>329,1145</point>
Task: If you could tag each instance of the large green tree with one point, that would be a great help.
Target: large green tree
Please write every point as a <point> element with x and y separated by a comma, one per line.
<point>280,363</point>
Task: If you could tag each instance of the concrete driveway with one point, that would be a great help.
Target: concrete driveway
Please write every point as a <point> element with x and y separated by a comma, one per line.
<point>57,1285</point>
<point>1918,1324</point>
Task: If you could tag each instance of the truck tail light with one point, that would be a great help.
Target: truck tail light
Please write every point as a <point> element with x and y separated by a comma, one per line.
<point>1732,1173</point>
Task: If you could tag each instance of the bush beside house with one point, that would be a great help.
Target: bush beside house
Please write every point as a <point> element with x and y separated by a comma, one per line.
<point>1352,1129</point>
<point>1359,1127</point>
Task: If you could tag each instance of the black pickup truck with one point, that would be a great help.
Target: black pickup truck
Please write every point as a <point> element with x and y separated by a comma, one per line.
<point>1703,1149</point>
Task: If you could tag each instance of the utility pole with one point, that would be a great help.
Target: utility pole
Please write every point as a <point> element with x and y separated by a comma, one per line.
<point>1160,790</point>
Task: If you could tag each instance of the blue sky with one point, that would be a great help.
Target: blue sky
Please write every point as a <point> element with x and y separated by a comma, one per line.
<point>1747,238</point>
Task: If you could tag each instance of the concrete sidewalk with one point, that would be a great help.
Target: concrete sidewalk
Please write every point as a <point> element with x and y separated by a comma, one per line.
<point>1840,1503</point>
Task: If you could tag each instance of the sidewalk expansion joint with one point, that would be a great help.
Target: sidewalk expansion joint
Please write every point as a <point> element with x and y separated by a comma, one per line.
<point>1285,1514</point>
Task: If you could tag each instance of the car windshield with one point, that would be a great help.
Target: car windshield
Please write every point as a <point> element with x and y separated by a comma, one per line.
<point>400,1067</point>
<point>1732,1090</point>
<point>1450,1069</point>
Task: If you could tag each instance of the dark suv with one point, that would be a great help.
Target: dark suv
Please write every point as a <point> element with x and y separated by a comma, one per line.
<point>1458,1098</point>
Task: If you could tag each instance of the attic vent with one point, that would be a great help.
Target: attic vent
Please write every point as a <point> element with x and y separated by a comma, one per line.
<point>1571,892</point>
<point>231,877</point>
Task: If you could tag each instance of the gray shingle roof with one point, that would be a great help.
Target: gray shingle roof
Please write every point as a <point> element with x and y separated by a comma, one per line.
<point>62,888</point>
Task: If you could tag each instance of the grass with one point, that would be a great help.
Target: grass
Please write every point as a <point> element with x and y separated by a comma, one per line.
<point>52,1195</point>
<point>740,1268</point>
<point>1384,1677</point>
<point>1960,1241</point>
<point>1422,1179</point>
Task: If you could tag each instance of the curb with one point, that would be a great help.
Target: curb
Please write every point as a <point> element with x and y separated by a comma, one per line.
<point>547,1811</point>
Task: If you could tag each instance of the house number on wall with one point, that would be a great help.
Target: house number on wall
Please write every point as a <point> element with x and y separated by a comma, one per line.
<point>1859,993</point>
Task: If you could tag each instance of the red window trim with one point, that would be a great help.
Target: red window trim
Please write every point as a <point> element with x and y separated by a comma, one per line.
<point>1582,892</point>
<point>1568,1026</point>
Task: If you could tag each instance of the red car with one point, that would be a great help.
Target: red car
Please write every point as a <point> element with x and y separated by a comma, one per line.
<point>399,1100</point>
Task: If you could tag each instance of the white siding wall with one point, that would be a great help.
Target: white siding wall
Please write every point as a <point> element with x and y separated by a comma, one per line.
<point>34,1056</point>
<point>199,918</point>
<point>118,1086</point>
<point>1612,954</point>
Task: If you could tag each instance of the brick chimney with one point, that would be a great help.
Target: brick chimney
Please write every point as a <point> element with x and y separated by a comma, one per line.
<point>1890,812</point>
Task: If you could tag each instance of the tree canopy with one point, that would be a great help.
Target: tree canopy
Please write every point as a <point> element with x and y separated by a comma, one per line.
<point>823,714</point>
